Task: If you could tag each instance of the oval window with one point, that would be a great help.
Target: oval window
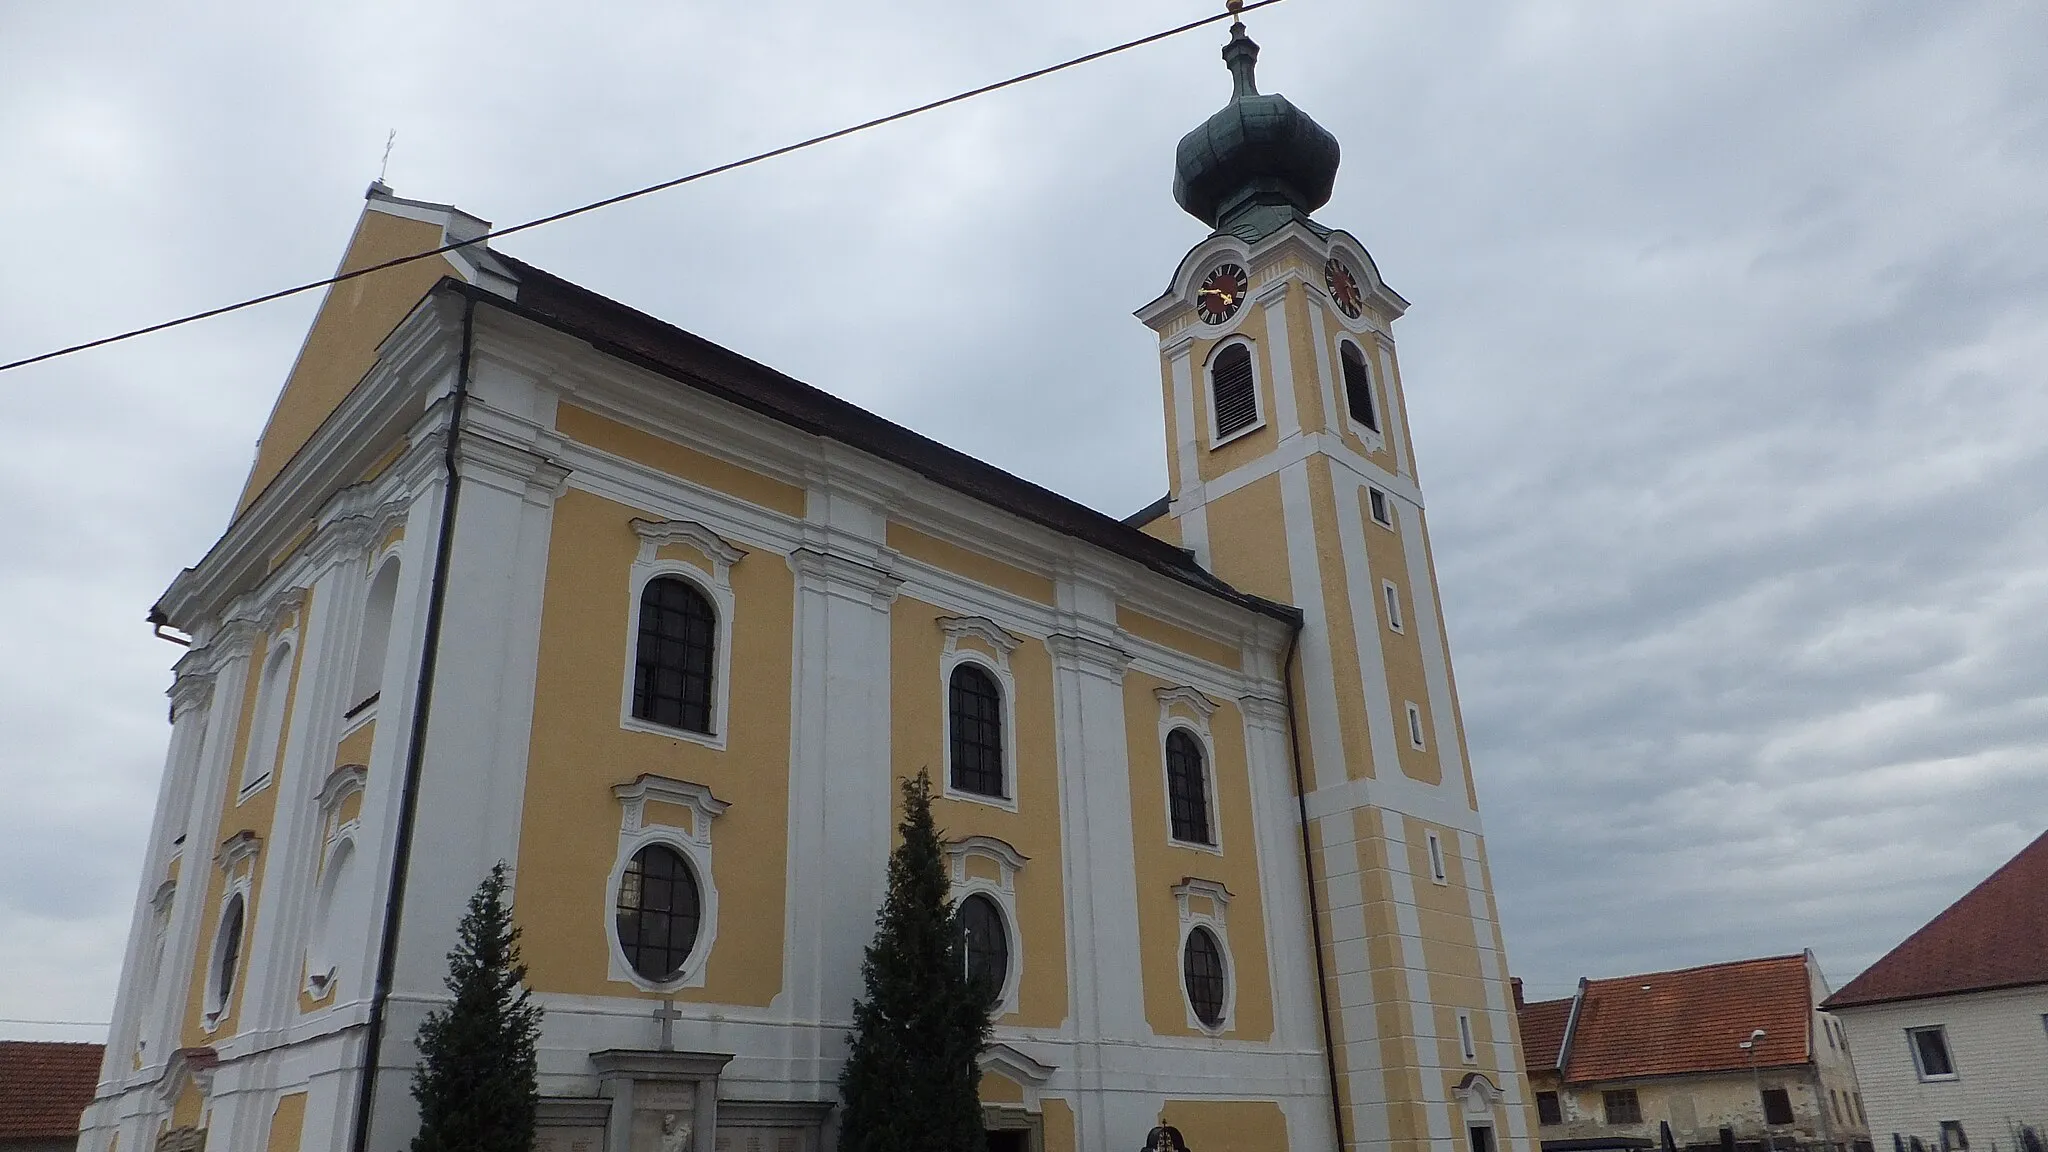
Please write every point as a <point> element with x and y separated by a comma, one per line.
<point>657,910</point>
<point>1202,964</point>
<point>987,945</point>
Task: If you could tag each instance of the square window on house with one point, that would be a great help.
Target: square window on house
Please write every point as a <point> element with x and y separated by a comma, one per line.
<point>1952,1138</point>
<point>1381,513</point>
<point>1777,1106</point>
<point>1622,1107</point>
<point>1930,1052</point>
<point>1547,1110</point>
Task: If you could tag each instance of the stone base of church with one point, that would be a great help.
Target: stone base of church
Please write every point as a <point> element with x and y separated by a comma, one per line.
<point>660,1101</point>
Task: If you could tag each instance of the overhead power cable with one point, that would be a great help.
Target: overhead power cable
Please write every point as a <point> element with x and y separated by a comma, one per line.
<point>649,190</point>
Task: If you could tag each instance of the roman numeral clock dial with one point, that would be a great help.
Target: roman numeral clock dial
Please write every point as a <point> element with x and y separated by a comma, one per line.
<point>1221,293</point>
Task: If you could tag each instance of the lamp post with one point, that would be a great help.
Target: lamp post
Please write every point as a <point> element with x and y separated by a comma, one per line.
<point>1749,1046</point>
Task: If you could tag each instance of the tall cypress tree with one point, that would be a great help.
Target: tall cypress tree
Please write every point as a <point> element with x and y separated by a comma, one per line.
<point>476,1083</point>
<point>911,1083</point>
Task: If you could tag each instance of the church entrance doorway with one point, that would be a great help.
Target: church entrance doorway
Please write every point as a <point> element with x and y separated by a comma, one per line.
<point>1009,1140</point>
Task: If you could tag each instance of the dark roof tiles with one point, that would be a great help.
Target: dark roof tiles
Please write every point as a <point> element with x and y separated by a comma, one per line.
<point>44,1087</point>
<point>1996,936</point>
<point>1543,1024</point>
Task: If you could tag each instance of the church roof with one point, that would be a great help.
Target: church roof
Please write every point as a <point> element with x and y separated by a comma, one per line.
<point>661,347</point>
<point>1996,936</point>
<point>1257,164</point>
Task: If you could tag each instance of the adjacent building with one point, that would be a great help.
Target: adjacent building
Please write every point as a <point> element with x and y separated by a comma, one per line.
<point>43,1088</point>
<point>1951,1026</point>
<point>1633,1061</point>
<point>522,574</point>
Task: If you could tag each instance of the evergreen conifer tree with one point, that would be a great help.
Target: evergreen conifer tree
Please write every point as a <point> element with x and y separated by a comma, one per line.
<point>476,1083</point>
<point>911,1083</point>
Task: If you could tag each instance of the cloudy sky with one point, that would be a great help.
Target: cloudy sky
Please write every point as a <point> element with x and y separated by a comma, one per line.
<point>1725,365</point>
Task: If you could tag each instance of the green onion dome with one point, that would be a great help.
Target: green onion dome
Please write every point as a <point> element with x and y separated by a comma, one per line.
<point>1258,163</point>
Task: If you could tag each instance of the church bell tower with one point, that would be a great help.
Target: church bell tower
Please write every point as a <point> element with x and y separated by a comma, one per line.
<point>1292,475</point>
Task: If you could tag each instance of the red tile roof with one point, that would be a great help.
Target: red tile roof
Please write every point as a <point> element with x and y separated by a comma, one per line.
<point>1996,936</point>
<point>43,1087</point>
<point>1543,1032</point>
<point>1692,1020</point>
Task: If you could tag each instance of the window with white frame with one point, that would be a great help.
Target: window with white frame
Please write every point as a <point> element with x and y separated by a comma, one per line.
<point>1233,392</point>
<point>1376,502</point>
<point>1437,872</point>
<point>983,873</point>
<point>1207,982</point>
<point>981,710</point>
<point>378,608</point>
<point>1930,1053</point>
<point>1392,595</point>
<point>341,906</point>
<point>679,662</point>
<point>1467,1047</point>
<point>237,862</point>
<point>1415,735</point>
<point>266,736</point>
<point>1188,754</point>
<point>661,900</point>
<point>1358,397</point>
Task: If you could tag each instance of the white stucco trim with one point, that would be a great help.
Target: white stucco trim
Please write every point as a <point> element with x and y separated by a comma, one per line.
<point>1216,921</point>
<point>692,844</point>
<point>997,664</point>
<point>716,586</point>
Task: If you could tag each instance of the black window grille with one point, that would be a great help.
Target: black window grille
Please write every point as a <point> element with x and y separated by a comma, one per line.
<point>987,945</point>
<point>1232,391</point>
<point>1202,965</point>
<point>672,665</point>
<point>658,910</point>
<point>1358,388</point>
<point>977,731</point>
<point>1187,788</point>
<point>1777,1106</point>
<point>1622,1107</point>
<point>230,950</point>
<point>1547,1110</point>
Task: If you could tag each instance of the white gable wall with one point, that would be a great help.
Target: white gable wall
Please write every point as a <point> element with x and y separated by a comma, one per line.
<point>1999,1044</point>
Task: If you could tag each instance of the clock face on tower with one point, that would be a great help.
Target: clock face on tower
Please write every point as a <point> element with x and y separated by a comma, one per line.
<point>1221,293</point>
<point>1343,287</point>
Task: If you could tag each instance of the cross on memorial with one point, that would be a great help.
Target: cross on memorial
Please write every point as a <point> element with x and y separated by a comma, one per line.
<point>668,1016</point>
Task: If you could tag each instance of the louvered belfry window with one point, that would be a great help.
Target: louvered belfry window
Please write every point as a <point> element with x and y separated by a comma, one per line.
<point>1232,391</point>
<point>977,732</point>
<point>672,665</point>
<point>1358,388</point>
<point>1187,789</point>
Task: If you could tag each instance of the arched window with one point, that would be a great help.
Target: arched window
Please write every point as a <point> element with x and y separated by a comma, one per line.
<point>267,739</point>
<point>1358,387</point>
<point>1202,965</point>
<point>1187,788</point>
<point>672,664</point>
<point>987,945</point>
<point>376,636</point>
<point>337,917</point>
<point>1232,391</point>
<point>976,714</point>
<point>658,910</point>
<point>227,949</point>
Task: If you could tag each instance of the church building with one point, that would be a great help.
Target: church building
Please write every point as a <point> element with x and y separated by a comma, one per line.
<point>522,574</point>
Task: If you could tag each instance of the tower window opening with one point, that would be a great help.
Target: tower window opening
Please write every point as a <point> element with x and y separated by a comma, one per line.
<point>1393,596</point>
<point>1415,727</point>
<point>1232,391</point>
<point>1358,387</point>
<point>1382,514</point>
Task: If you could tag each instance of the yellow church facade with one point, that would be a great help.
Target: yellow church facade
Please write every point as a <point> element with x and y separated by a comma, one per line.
<point>524,575</point>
